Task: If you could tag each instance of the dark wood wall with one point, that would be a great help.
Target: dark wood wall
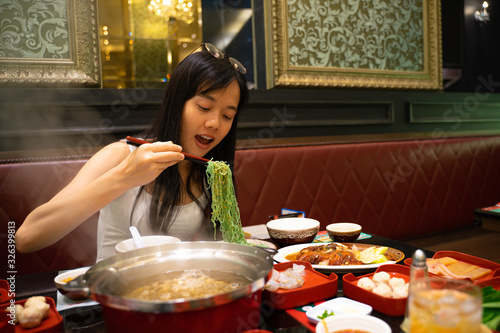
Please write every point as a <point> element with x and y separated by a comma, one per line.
<point>76,121</point>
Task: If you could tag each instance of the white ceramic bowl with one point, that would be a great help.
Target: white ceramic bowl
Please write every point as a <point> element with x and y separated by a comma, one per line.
<point>128,244</point>
<point>355,322</point>
<point>62,279</point>
<point>292,230</point>
<point>344,231</point>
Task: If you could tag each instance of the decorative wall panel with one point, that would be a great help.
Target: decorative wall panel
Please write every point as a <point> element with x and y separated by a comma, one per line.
<point>49,42</point>
<point>467,111</point>
<point>354,43</point>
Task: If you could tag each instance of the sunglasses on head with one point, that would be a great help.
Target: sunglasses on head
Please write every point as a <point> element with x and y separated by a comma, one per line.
<point>213,50</point>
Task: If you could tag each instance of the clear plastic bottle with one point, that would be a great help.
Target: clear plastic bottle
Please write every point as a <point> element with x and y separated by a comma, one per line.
<point>418,275</point>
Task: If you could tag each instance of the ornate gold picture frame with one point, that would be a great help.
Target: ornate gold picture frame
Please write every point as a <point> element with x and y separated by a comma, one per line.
<point>48,43</point>
<point>393,44</point>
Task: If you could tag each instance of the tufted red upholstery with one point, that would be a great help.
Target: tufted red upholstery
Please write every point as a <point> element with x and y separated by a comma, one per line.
<point>395,189</point>
<point>25,186</point>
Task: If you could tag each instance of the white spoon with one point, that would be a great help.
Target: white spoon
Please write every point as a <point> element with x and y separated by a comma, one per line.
<point>136,236</point>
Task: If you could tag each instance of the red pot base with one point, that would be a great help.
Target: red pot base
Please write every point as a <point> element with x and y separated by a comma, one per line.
<point>237,316</point>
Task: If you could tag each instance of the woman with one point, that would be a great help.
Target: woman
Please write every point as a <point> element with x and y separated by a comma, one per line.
<point>152,187</point>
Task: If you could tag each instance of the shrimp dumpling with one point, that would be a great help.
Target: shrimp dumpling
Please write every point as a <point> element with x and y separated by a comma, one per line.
<point>366,283</point>
<point>382,290</point>
<point>399,292</point>
<point>395,282</point>
<point>381,277</point>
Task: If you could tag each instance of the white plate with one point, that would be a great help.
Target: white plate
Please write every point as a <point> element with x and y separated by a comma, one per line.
<point>340,305</point>
<point>283,252</point>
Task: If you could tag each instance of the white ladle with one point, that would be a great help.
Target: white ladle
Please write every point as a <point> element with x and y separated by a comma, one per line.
<point>136,236</point>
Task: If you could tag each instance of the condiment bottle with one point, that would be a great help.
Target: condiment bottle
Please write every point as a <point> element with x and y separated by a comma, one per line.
<point>419,277</point>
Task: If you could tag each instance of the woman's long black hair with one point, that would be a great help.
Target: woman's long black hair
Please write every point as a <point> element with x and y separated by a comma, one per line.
<point>198,73</point>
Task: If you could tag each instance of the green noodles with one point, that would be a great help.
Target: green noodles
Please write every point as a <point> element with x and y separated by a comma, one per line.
<point>224,205</point>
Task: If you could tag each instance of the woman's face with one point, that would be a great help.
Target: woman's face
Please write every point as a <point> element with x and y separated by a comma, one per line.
<point>206,119</point>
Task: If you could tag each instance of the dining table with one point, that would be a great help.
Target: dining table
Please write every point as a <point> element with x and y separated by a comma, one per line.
<point>89,318</point>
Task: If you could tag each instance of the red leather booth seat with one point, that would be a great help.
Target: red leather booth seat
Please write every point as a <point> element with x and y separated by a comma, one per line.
<point>396,189</point>
<point>24,185</point>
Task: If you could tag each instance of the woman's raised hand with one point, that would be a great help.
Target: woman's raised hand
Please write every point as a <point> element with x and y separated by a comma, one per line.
<point>146,163</point>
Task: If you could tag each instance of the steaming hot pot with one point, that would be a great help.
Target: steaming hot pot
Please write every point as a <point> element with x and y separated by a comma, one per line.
<point>234,311</point>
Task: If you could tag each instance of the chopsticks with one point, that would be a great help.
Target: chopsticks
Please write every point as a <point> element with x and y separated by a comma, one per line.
<point>189,157</point>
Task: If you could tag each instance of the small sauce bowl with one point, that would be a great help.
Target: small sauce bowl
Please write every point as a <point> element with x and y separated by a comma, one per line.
<point>62,279</point>
<point>344,232</point>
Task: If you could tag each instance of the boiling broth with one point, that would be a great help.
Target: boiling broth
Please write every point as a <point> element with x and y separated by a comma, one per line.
<point>187,284</point>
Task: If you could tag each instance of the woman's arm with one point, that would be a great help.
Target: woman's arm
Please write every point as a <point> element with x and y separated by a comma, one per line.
<point>107,175</point>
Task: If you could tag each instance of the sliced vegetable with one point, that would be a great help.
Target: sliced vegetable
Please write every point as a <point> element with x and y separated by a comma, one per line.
<point>373,255</point>
<point>491,308</point>
<point>326,314</point>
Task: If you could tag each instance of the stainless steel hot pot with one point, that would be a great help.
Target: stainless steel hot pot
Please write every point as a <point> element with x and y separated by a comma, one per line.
<point>235,311</point>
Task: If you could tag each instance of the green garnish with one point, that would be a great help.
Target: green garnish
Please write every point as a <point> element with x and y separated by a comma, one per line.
<point>326,314</point>
<point>491,308</point>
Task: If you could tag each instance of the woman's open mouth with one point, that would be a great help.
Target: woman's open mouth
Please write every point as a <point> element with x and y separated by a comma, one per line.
<point>203,141</point>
